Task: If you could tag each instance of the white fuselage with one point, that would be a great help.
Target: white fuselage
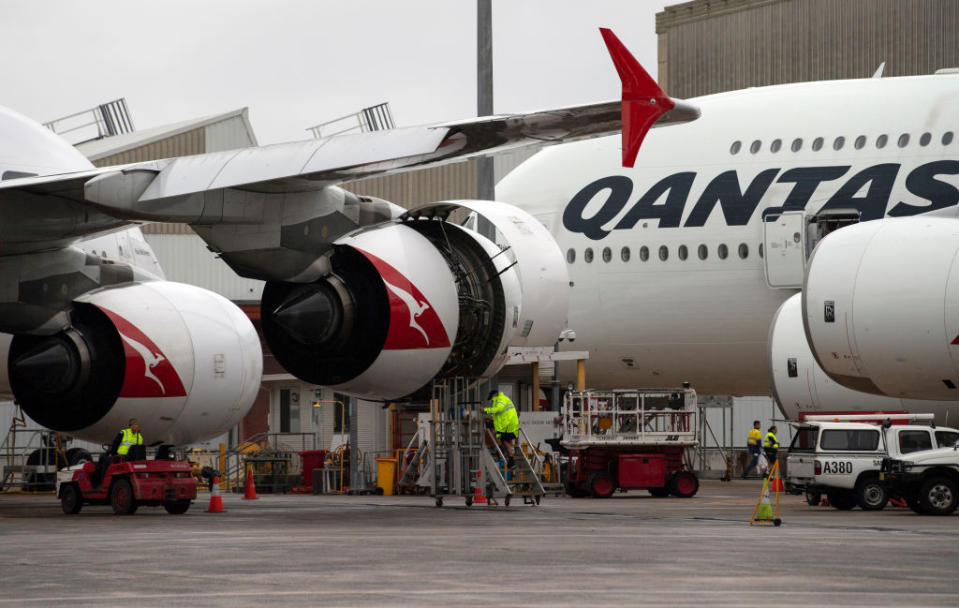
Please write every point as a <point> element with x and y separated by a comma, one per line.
<point>660,322</point>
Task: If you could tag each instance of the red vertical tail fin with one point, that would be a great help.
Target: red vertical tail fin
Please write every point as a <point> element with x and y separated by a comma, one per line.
<point>643,101</point>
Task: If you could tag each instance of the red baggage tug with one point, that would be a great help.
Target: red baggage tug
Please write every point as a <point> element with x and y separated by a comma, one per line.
<point>630,440</point>
<point>128,485</point>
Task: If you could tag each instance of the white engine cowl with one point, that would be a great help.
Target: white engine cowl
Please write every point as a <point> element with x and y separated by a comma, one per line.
<point>881,307</point>
<point>184,361</point>
<point>802,387</point>
<point>405,302</point>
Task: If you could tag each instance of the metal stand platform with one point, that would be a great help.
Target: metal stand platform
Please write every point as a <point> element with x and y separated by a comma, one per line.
<point>462,456</point>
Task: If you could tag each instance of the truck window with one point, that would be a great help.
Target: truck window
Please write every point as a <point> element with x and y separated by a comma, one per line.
<point>804,440</point>
<point>850,440</point>
<point>913,441</point>
<point>946,439</point>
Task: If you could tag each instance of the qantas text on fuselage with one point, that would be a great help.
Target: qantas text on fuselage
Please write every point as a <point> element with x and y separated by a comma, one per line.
<point>866,191</point>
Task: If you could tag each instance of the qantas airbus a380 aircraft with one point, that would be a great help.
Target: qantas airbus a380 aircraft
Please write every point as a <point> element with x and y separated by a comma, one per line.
<point>689,266</point>
<point>669,280</point>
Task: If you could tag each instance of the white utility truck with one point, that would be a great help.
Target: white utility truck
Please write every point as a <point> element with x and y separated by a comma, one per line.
<point>927,480</point>
<point>841,455</point>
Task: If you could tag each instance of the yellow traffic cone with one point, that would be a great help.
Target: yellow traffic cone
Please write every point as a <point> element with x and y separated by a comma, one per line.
<point>763,513</point>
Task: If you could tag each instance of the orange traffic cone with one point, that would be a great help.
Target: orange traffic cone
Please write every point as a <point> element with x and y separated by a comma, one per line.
<point>478,497</point>
<point>216,501</point>
<point>250,490</point>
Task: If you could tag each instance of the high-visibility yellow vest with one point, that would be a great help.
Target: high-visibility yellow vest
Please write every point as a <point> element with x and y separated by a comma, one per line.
<point>504,415</point>
<point>129,439</point>
<point>754,437</point>
<point>770,441</point>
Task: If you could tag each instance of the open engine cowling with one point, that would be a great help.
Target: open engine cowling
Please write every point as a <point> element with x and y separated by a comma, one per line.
<point>801,386</point>
<point>881,307</point>
<point>184,361</point>
<point>404,302</point>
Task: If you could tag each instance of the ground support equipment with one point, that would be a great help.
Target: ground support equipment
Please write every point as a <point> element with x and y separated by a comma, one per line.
<point>630,440</point>
<point>128,485</point>
<point>462,457</point>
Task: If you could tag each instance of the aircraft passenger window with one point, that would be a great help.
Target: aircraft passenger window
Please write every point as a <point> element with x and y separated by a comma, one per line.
<point>607,254</point>
<point>776,145</point>
<point>817,144</point>
<point>924,139</point>
<point>743,250</point>
<point>663,252</point>
<point>947,138</point>
<point>734,149</point>
<point>588,255</point>
<point>624,254</point>
<point>755,146</point>
<point>860,142</point>
<point>722,251</point>
<point>644,253</point>
<point>703,252</point>
<point>903,140</point>
<point>881,141</point>
<point>683,252</point>
<point>760,250</point>
<point>797,145</point>
<point>570,255</point>
<point>838,143</point>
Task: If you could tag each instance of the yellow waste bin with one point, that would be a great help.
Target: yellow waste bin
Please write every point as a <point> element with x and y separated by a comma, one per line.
<point>386,474</point>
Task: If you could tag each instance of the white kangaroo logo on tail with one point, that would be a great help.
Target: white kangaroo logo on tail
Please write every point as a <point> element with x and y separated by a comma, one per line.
<point>416,308</point>
<point>150,360</point>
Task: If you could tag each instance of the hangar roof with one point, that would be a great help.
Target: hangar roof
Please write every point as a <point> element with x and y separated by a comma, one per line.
<point>108,146</point>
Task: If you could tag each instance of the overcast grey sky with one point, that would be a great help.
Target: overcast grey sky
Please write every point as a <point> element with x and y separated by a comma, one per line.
<point>295,63</point>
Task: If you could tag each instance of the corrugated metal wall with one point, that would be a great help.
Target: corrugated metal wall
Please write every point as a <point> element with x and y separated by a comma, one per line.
<point>721,45</point>
<point>228,134</point>
<point>190,142</point>
<point>446,182</point>
<point>185,259</point>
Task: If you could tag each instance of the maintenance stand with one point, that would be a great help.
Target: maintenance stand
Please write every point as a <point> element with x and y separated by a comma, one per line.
<point>463,457</point>
<point>630,440</point>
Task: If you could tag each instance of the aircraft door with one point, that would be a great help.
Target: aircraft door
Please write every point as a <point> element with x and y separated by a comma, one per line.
<point>784,239</point>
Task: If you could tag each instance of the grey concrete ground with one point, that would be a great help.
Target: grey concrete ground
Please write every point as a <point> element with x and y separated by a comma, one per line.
<point>631,549</point>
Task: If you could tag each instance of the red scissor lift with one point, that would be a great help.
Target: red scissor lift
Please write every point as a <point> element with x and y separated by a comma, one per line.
<point>630,440</point>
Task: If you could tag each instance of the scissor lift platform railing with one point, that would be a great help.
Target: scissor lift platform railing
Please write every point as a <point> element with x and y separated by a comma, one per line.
<point>629,418</point>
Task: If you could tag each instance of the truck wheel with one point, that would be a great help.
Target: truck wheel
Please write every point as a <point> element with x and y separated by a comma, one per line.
<point>601,485</point>
<point>684,485</point>
<point>813,498</point>
<point>913,503</point>
<point>939,496</point>
<point>841,499</point>
<point>121,498</point>
<point>70,499</point>
<point>658,492</point>
<point>871,495</point>
<point>176,507</point>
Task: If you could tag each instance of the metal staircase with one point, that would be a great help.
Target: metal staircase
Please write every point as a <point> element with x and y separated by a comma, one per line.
<point>462,457</point>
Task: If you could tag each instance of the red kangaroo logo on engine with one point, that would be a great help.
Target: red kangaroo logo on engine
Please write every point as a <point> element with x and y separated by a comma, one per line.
<point>413,321</point>
<point>148,372</point>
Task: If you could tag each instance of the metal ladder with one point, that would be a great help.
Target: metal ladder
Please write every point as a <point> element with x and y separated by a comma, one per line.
<point>458,460</point>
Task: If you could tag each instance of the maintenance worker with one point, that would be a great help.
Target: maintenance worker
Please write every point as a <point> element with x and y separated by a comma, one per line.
<point>771,444</point>
<point>123,444</point>
<point>753,441</point>
<point>505,421</point>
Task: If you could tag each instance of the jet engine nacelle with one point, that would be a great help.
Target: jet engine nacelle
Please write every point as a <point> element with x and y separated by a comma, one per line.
<point>802,387</point>
<point>184,361</point>
<point>881,307</point>
<point>404,302</point>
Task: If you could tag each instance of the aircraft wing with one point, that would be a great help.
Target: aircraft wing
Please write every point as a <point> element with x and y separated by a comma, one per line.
<point>315,164</point>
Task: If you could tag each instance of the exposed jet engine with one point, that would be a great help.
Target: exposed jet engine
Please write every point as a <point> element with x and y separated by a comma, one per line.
<point>404,302</point>
<point>881,307</point>
<point>801,386</point>
<point>184,361</point>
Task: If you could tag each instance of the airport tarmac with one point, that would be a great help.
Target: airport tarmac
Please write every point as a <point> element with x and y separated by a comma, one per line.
<point>631,549</point>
